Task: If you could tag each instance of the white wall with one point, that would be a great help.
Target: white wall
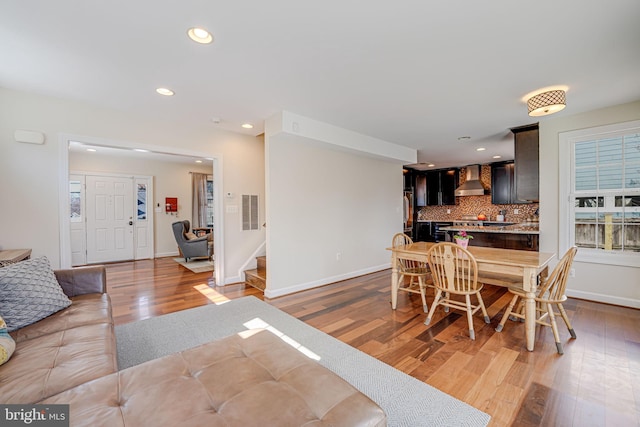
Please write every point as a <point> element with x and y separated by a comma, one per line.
<point>29,206</point>
<point>324,200</point>
<point>170,179</point>
<point>599,282</point>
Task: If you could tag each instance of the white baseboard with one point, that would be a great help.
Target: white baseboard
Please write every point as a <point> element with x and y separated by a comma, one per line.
<point>325,281</point>
<point>607,299</point>
<point>232,279</point>
<point>166,254</point>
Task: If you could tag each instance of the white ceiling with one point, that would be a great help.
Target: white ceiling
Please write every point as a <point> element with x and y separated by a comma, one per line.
<point>415,73</point>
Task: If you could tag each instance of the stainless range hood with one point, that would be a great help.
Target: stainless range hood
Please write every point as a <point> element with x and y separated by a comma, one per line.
<point>472,186</point>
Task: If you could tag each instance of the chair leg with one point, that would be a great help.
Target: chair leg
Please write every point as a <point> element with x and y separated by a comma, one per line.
<point>507,313</point>
<point>483,308</point>
<point>433,307</point>
<point>520,311</point>
<point>425,307</point>
<point>446,308</point>
<point>395,290</point>
<point>566,321</point>
<point>472,333</point>
<point>554,328</point>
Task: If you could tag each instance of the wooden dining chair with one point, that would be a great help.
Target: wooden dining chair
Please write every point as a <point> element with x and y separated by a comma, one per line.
<point>551,291</point>
<point>455,272</point>
<point>412,269</point>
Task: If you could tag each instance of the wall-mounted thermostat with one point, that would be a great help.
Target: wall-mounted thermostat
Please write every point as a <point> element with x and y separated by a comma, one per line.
<point>230,195</point>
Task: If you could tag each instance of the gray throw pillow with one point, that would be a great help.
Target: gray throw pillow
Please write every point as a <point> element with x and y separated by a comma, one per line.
<point>29,291</point>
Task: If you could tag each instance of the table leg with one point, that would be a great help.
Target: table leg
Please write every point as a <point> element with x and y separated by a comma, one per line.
<point>394,281</point>
<point>530,319</point>
<point>530,282</point>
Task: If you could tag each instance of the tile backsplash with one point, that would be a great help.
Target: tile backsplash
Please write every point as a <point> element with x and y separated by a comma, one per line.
<point>476,205</point>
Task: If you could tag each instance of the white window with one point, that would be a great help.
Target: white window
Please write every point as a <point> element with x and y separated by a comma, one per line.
<point>600,193</point>
<point>75,201</point>
<point>210,209</point>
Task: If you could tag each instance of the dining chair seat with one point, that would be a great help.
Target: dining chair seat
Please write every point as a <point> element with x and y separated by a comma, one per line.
<point>550,293</point>
<point>455,272</point>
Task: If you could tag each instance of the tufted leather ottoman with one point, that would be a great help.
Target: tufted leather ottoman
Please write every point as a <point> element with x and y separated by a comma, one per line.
<point>249,379</point>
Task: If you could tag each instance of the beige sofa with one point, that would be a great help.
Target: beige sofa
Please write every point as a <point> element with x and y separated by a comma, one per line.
<point>250,379</point>
<point>68,348</point>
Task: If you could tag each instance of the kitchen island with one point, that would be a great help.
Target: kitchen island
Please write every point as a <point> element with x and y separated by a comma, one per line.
<point>523,236</point>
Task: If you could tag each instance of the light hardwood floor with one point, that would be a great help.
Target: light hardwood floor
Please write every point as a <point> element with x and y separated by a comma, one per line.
<point>595,383</point>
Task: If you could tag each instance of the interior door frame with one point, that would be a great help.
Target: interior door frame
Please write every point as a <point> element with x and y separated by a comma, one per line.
<point>63,191</point>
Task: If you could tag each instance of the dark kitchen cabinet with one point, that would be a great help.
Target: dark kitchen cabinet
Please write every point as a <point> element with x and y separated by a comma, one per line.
<point>416,181</point>
<point>503,189</point>
<point>441,187</point>
<point>448,185</point>
<point>527,162</point>
<point>433,188</point>
<point>421,189</point>
<point>522,242</point>
<point>501,183</point>
<point>423,232</point>
<point>431,231</point>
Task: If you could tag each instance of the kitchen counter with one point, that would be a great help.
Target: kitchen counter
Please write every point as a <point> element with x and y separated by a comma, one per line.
<point>522,236</point>
<point>522,228</point>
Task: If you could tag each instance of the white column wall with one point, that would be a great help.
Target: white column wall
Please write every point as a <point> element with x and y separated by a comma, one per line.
<point>331,210</point>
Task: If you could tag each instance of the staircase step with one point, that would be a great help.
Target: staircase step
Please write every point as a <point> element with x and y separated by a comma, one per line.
<point>262,264</point>
<point>256,279</point>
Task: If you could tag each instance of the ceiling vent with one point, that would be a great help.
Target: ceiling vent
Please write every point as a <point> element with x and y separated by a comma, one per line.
<point>472,186</point>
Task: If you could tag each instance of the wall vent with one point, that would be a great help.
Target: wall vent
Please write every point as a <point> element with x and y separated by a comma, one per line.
<point>250,212</point>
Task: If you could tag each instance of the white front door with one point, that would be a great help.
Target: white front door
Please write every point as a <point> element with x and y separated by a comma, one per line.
<point>110,218</point>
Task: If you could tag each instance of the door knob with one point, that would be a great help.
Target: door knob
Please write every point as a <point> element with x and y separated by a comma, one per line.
<point>130,222</point>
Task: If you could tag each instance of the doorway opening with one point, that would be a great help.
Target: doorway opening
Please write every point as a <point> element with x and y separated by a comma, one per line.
<point>214,204</point>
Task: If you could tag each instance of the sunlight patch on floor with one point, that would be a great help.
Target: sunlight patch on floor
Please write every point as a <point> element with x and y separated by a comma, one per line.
<point>213,295</point>
<point>258,323</point>
<point>143,307</point>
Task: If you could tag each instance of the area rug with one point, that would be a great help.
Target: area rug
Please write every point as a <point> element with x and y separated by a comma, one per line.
<point>197,266</point>
<point>406,401</point>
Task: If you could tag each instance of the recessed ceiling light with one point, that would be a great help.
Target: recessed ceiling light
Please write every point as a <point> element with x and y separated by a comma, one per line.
<point>247,126</point>
<point>164,91</point>
<point>430,165</point>
<point>464,138</point>
<point>198,161</point>
<point>92,150</point>
<point>497,157</point>
<point>480,149</point>
<point>140,150</point>
<point>200,35</point>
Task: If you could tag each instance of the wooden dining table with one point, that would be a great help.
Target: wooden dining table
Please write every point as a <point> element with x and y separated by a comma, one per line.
<point>502,267</point>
